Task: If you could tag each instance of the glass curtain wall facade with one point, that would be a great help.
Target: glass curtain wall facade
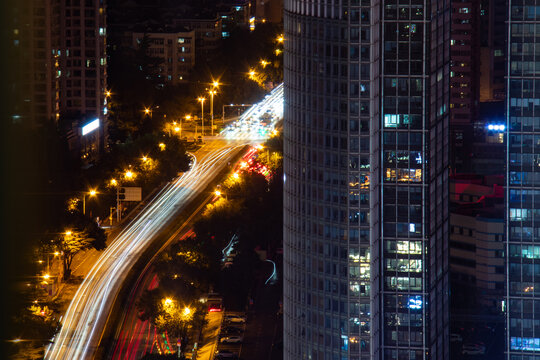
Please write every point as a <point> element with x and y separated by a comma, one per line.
<point>358,98</point>
<point>523,181</point>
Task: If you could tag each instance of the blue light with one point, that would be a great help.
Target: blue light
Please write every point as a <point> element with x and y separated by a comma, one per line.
<point>415,302</point>
<point>496,127</point>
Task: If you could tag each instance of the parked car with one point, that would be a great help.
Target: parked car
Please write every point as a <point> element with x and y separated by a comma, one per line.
<point>231,339</point>
<point>235,319</point>
<point>456,338</point>
<point>473,349</point>
<point>224,354</point>
<point>231,330</point>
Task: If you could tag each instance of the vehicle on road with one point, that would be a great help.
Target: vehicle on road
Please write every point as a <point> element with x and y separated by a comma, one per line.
<point>473,349</point>
<point>232,339</point>
<point>456,338</point>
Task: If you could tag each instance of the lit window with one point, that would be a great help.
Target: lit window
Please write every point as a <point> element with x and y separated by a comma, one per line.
<point>181,40</point>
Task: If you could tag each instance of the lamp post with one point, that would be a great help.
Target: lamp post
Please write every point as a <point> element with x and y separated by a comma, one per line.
<point>202,99</point>
<point>91,193</point>
<point>212,93</point>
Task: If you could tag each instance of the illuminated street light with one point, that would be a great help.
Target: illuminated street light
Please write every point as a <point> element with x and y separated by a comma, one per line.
<point>212,93</point>
<point>280,39</point>
<point>147,111</point>
<point>145,158</point>
<point>278,51</point>
<point>108,93</point>
<point>161,146</point>
<point>202,100</point>
<point>217,193</point>
<point>215,84</point>
<point>168,301</point>
<point>91,192</point>
<point>113,182</point>
<point>264,63</point>
<point>129,174</point>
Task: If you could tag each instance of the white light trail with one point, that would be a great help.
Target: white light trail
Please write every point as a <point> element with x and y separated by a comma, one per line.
<point>87,314</point>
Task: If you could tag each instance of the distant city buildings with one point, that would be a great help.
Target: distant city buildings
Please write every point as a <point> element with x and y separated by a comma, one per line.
<point>176,49</point>
<point>62,77</point>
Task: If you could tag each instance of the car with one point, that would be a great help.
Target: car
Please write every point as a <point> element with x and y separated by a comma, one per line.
<point>456,337</point>
<point>473,349</point>
<point>231,339</point>
<point>235,319</point>
<point>230,330</point>
<point>224,354</point>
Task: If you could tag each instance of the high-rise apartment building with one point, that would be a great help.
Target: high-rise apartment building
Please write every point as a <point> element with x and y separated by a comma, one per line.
<point>366,179</point>
<point>82,71</point>
<point>523,181</point>
<point>60,46</point>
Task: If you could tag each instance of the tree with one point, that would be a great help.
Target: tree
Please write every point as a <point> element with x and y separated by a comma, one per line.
<point>83,234</point>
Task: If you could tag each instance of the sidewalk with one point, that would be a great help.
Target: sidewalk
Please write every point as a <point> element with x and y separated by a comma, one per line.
<point>209,337</point>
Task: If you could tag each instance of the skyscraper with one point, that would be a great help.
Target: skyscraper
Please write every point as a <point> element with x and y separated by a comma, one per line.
<point>523,181</point>
<point>366,179</point>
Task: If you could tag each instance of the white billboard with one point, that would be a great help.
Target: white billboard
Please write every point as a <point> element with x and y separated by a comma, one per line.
<point>91,126</point>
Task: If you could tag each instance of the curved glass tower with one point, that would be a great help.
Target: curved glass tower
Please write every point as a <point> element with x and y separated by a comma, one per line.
<point>364,93</point>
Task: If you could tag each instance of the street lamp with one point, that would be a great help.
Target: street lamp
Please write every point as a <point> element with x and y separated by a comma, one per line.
<point>212,93</point>
<point>147,111</point>
<point>202,100</point>
<point>92,192</point>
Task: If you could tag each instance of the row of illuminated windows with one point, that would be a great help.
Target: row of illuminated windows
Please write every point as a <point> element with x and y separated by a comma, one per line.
<point>411,159</point>
<point>403,283</point>
<point>525,251</point>
<point>404,265</point>
<point>524,344</point>
<point>526,178</point>
<point>405,247</point>
<point>402,175</point>
<point>403,303</point>
<point>524,214</point>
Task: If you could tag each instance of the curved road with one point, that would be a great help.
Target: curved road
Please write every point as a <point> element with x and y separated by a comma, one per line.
<point>83,323</point>
<point>85,318</point>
